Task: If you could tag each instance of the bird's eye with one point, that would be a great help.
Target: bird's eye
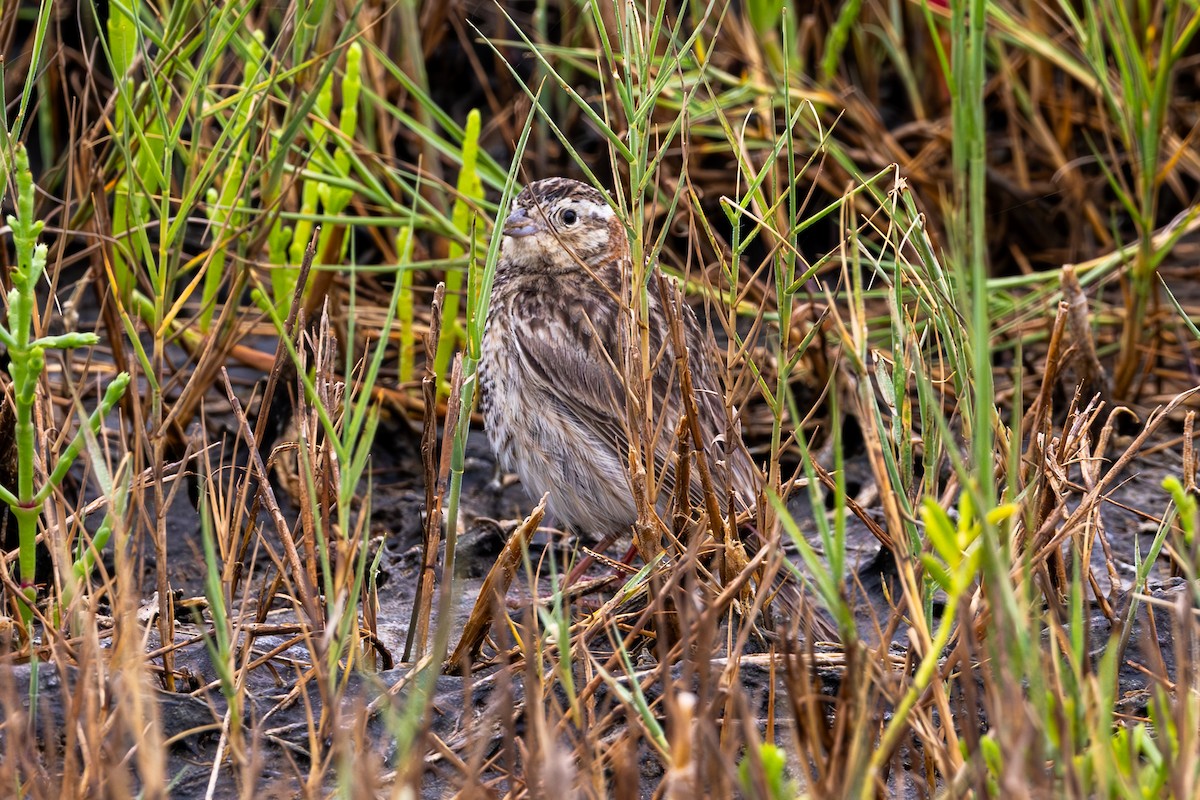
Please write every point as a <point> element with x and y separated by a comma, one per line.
<point>569,217</point>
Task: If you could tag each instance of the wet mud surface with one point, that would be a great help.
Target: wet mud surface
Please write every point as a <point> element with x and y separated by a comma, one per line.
<point>281,703</point>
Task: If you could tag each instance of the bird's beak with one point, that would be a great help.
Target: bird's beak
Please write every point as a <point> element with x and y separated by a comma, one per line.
<point>519,223</point>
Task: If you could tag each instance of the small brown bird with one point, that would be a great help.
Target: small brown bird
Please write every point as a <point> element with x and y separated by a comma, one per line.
<point>554,392</point>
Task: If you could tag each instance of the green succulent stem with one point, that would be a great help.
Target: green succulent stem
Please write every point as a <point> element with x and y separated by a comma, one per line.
<point>27,361</point>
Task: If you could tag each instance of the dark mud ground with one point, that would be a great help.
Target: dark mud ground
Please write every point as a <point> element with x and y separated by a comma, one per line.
<point>488,513</point>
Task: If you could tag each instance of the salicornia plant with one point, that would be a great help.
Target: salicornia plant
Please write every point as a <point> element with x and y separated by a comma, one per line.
<point>27,360</point>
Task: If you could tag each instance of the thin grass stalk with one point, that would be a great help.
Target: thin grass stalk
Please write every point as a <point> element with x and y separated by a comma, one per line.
<point>969,68</point>
<point>220,642</point>
<point>425,675</point>
<point>13,134</point>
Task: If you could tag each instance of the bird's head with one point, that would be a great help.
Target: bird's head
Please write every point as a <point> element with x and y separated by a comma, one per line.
<point>557,224</point>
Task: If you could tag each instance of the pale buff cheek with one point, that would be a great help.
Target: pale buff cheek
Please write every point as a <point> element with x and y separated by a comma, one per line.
<point>592,246</point>
<point>525,251</point>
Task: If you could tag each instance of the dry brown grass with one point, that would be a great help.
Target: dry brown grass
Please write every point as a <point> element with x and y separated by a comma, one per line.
<point>1020,625</point>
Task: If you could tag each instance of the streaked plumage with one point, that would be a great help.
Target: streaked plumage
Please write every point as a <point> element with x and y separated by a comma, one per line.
<point>554,398</point>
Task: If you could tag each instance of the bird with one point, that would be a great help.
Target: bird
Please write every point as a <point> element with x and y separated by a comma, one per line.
<point>553,374</point>
<point>552,368</point>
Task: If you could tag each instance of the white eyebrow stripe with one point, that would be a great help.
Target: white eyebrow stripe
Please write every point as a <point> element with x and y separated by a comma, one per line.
<point>603,211</point>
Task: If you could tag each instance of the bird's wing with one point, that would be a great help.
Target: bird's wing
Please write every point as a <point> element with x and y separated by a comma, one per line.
<point>577,358</point>
<point>575,353</point>
<point>566,356</point>
<point>726,452</point>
